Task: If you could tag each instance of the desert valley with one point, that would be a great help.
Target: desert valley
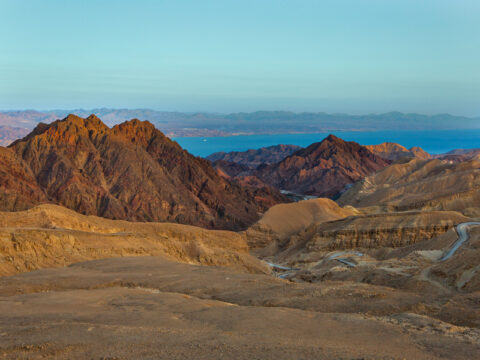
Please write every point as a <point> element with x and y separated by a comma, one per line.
<point>116,243</point>
<point>244,180</point>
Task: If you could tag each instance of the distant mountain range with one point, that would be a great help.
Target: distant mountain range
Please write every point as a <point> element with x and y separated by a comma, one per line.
<point>8,134</point>
<point>178,124</point>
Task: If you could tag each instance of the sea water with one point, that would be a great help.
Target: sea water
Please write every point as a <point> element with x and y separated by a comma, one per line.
<point>434,142</point>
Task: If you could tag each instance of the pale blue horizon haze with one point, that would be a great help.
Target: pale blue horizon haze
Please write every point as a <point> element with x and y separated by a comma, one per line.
<point>350,56</point>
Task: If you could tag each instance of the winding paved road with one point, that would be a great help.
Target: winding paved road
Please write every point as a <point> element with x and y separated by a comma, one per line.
<point>462,231</point>
<point>281,267</point>
<point>336,256</point>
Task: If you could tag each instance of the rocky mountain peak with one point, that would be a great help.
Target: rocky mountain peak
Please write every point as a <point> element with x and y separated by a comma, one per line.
<point>323,168</point>
<point>132,172</point>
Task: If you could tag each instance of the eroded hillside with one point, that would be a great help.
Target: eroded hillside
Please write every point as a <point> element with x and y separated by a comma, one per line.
<point>51,236</point>
<point>420,184</point>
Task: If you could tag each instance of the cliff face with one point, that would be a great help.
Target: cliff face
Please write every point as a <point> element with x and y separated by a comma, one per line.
<point>322,169</point>
<point>132,171</point>
<point>380,230</point>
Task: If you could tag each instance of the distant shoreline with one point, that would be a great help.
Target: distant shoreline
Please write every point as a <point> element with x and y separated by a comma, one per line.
<point>433,142</point>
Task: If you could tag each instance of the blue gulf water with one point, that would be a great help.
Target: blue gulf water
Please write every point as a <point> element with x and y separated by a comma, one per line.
<point>434,142</point>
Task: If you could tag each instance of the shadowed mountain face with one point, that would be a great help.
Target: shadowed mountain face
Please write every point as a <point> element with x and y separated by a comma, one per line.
<point>132,171</point>
<point>231,169</point>
<point>322,169</point>
<point>255,157</point>
<point>18,187</point>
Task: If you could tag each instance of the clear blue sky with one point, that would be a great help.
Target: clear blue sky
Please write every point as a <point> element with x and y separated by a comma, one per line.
<point>356,56</point>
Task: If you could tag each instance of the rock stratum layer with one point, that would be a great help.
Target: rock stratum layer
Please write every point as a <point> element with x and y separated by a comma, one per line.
<point>380,230</point>
<point>131,171</point>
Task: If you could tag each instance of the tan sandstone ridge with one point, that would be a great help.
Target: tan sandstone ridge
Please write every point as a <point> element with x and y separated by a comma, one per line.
<point>53,236</point>
<point>381,230</point>
<point>420,184</point>
<point>394,151</point>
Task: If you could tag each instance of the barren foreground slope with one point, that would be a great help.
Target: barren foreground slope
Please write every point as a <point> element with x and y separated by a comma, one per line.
<point>152,308</point>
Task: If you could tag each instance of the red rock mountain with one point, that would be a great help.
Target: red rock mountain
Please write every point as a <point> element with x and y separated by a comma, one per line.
<point>131,171</point>
<point>322,169</point>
